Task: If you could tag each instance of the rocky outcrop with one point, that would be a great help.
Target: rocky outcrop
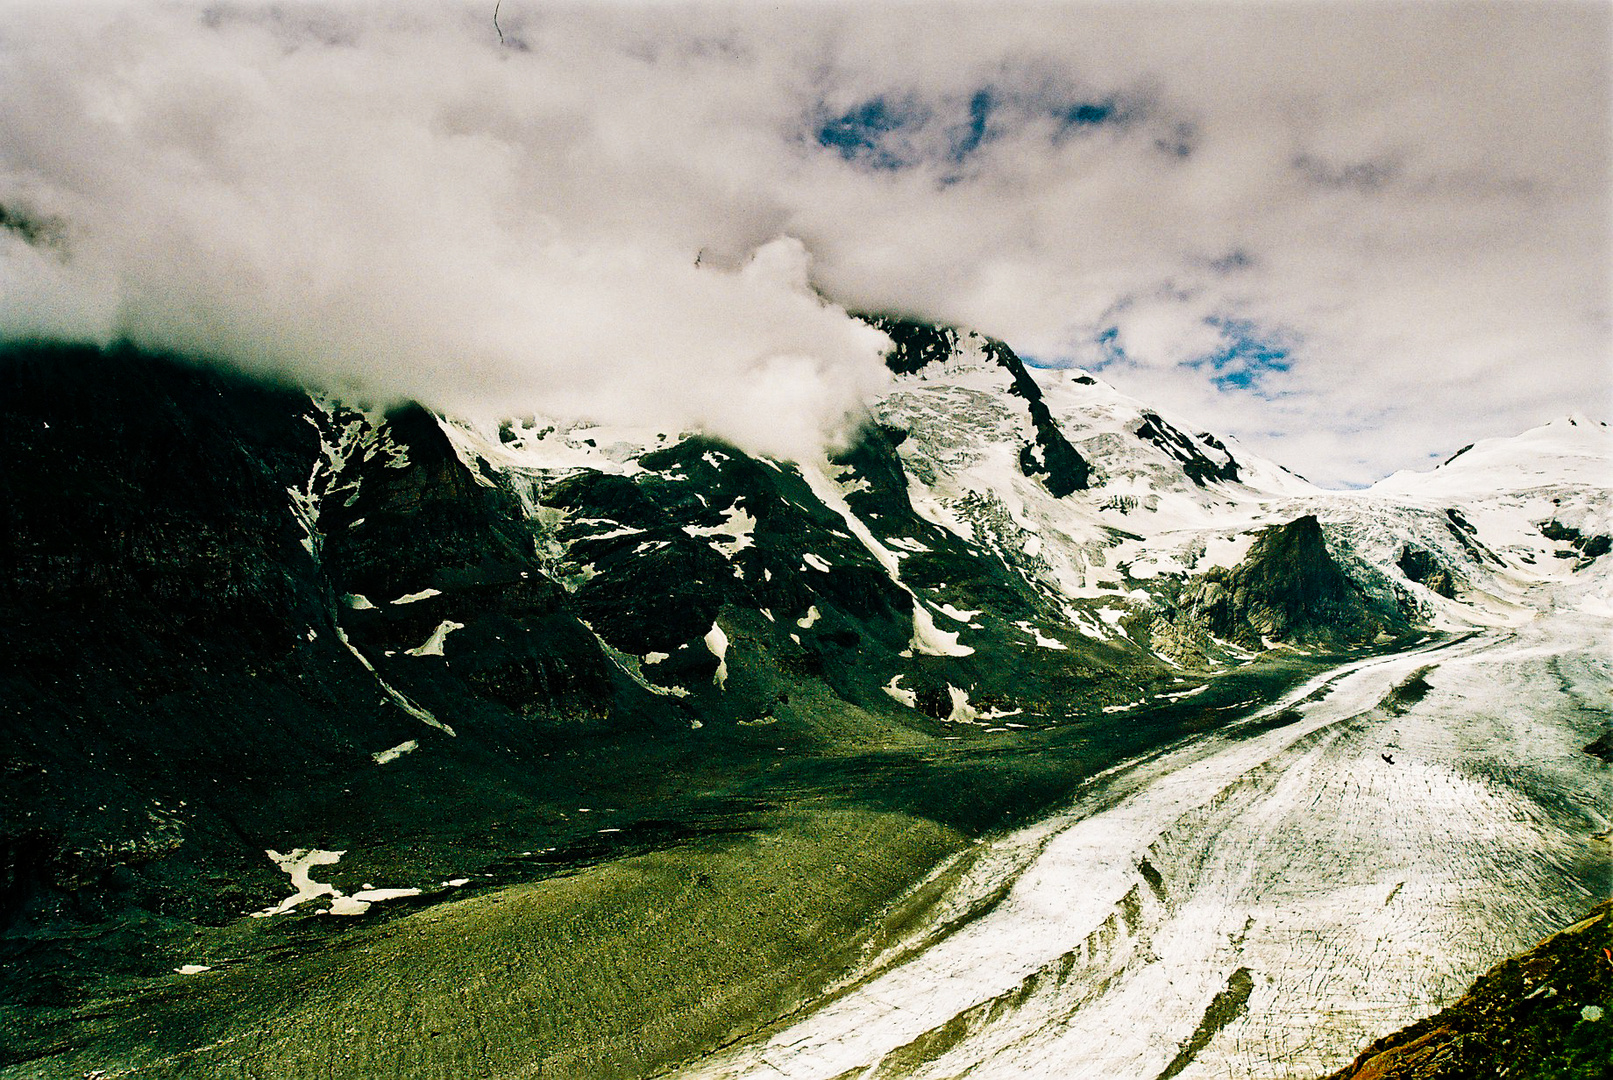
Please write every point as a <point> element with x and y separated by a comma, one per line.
<point>1426,570</point>
<point>1601,746</point>
<point>916,344</point>
<point>1466,534</point>
<point>1197,465</point>
<point>1287,588</point>
<point>1589,547</point>
<point>1546,1014</point>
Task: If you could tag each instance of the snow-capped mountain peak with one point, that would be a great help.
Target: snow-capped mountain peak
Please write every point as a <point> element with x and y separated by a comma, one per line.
<point>1568,451</point>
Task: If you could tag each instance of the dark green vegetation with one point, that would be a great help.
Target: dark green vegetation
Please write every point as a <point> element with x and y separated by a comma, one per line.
<point>216,599</point>
<point>1544,1015</point>
<point>612,970</point>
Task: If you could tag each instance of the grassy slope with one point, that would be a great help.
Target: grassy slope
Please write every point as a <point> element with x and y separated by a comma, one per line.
<point>618,970</point>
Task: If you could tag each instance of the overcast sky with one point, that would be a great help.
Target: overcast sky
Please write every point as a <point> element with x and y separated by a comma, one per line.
<point>1357,236</point>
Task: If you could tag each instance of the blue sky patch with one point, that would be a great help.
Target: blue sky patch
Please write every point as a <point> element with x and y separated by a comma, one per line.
<point>887,133</point>
<point>865,133</point>
<point>1233,261</point>
<point>1363,176</point>
<point>1249,356</point>
<point>897,132</point>
<point>974,133</point>
<point>1080,117</point>
<point>1180,141</point>
<point>1109,350</point>
<point>1089,112</point>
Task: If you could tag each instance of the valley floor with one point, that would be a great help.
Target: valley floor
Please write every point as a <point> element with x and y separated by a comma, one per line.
<point>1256,900</point>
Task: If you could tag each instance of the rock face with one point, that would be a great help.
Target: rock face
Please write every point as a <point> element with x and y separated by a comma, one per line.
<point>1601,746</point>
<point>1289,588</point>
<point>1547,1013</point>
<point>1422,567</point>
<point>1198,466</point>
<point>1589,547</point>
<point>482,628</point>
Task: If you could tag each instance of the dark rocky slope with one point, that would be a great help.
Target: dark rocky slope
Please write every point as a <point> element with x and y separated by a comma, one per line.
<point>1425,569</point>
<point>1288,588</point>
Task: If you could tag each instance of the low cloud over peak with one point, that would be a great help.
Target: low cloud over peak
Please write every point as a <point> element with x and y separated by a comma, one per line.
<point>1337,231</point>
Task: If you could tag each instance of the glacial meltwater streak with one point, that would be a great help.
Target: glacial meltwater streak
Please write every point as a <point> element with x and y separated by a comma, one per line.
<point>1261,902</point>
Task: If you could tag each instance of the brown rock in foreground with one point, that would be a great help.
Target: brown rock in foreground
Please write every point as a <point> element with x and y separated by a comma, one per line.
<point>1545,1013</point>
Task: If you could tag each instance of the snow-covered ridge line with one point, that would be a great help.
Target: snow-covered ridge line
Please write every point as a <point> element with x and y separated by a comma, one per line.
<point>1152,515</point>
<point>1162,505</point>
<point>1573,451</point>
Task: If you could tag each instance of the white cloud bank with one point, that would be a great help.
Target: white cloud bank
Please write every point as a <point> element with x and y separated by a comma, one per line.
<point>1411,202</point>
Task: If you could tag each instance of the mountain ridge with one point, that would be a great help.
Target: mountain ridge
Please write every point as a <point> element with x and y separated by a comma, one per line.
<point>241,621</point>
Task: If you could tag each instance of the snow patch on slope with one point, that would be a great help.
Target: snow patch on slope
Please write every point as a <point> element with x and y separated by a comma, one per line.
<point>930,639</point>
<point>734,535</point>
<point>432,646</point>
<point>398,697</point>
<point>717,642</point>
<point>299,864</point>
<point>391,754</point>
<point>904,697</point>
